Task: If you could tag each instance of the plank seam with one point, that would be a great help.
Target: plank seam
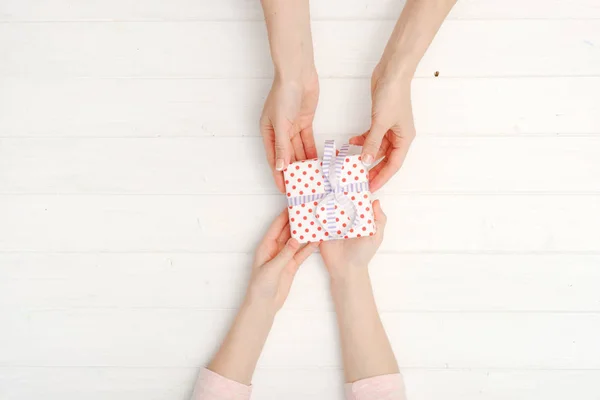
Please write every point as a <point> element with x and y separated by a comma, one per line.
<point>313,19</point>
<point>401,252</point>
<point>293,368</point>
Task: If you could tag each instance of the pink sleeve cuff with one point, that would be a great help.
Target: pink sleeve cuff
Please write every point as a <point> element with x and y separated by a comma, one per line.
<point>212,386</point>
<point>384,387</point>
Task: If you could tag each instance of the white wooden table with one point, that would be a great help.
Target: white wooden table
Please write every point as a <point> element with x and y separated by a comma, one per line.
<point>129,147</point>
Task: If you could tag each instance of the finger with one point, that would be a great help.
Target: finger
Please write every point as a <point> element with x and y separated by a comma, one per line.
<point>392,165</point>
<point>305,252</point>
<point>284,236</point>
<point>277,226</point>
<point>279,180</point>
<point>373,172</point>
<point>298,147</point>
<point>308,139</point>
<point>283,149</point>
<point>385,147</point>
<point>380,217</point>
<point>373,142</point>
<point>286,254</point>
<point>263,251</point>
<point>268,135</point>
<point>291,268</point>
<point>302,255</point>
<point>360,140</point>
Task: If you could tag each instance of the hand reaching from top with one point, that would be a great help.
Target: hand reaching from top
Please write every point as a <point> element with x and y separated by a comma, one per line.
<point>286,123</point>
<point>392,126</point>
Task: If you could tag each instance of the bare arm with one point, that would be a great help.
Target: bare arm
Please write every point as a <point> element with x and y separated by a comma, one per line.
<point>290,40</point>
<point>286,123</point>
<point>366,349</point>
<point>277,259</point>
<point>419,22</point>
<point>241,349</point>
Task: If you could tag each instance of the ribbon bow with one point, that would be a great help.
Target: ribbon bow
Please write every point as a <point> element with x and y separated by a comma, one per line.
<point>335,192</point>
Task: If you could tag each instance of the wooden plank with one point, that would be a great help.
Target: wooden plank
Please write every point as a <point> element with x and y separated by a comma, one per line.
<point>414,283</point>
<point>417,223</point>
<point>25,383</point>
<point>187,166</point>
<point>182,10</point>
<point>177,49</point>
<point>185,338</point>
<point>500,384</point>
<point>203,107</point>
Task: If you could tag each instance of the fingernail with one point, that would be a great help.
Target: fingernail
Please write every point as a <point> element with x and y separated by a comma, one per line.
<point>367,159</point>
<point>279,164</point>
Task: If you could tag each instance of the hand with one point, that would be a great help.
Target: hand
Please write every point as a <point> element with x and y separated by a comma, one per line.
<point>286,123</point>
<point>392,126</point>
<point>277,259</point>
<point>345,256</point>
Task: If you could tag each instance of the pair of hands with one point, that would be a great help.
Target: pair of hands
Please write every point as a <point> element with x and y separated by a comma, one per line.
<point>278,258</point>
<point>286,126</point>
<point>286,123</point>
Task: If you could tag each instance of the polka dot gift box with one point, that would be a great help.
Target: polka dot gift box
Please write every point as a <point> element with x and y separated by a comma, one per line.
<point>329,199</point>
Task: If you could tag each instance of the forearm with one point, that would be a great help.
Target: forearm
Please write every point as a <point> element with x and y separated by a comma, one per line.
<point>290,39</point>
<point>240,351</point>
<point>414,32</point>
<point>366,350</point>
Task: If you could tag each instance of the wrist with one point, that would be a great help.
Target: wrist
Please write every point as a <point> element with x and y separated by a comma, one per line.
<point>290,38</point>
<point>401,56</point>
<point>348,276</point>
<point>396,67</point>
<point>301,75</point>
<point>259,309</point>
<point>351,289</point>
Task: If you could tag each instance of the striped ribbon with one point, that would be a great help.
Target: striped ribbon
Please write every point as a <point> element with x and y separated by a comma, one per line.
<point>309,198</point>
<point>334,191</point>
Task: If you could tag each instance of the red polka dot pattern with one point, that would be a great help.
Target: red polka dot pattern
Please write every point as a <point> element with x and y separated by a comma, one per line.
<point>314,183</point>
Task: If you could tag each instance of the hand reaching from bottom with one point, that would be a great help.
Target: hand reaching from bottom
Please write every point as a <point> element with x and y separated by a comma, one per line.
<point>277,259</point>
<point>343,256</point>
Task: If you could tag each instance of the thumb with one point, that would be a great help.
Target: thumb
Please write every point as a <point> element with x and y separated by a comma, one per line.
<point>285,255</point>
<point>380,217</point>
<point>373,142</point>
<point>282,148</point>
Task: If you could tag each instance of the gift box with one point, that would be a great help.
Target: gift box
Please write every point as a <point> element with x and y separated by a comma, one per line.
<point>329,199</point>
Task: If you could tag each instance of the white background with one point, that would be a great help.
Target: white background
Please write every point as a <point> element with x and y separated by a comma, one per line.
<point>130,156</point>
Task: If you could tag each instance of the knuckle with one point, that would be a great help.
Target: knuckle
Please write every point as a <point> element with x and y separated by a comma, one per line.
<point>377,123</point>
<point>279,147</point>
<point>372,141</point>
<point>408,131</point>
<point>380,231</point>
<point>287,253</point>
<point>394,164</point>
